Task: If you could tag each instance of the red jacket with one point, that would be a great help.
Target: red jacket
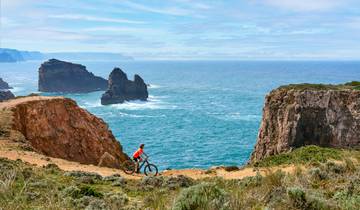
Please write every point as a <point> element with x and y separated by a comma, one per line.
<point>138,153</point>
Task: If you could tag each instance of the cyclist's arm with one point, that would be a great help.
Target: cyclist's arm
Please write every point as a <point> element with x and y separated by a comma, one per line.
<point>144,155</point>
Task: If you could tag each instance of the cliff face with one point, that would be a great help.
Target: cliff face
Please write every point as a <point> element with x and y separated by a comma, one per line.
<point>296,117</point>
<point>57,127</point>
<point>60,76</point>
<point>121,89</point>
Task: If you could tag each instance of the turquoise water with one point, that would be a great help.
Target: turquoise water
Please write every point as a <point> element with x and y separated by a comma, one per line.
<point>199,114</point>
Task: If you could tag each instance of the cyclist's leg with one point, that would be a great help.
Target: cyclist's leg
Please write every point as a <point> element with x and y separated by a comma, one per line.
<point>136,165</point>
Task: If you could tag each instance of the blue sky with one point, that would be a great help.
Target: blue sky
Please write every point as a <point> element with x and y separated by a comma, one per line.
<point>185,29</point>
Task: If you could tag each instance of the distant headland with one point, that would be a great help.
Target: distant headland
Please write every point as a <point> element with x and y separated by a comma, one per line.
<point>14,55</point>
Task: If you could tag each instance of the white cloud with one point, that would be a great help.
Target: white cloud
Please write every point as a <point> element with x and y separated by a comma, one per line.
<point>306,5</point>
<point>94,18</point>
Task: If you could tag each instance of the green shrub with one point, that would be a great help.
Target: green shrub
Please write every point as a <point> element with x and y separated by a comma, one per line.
<point>349,165</point>
<point>297,197</point>
<point>252,181</point>
<point>75,192</point>
<point>318,174</point>
<point>275,179</point>
<point>302,155</point>
<point>202,196</point>
<point>89,191</point>
<point>335,168</point>
<point>347,201</point>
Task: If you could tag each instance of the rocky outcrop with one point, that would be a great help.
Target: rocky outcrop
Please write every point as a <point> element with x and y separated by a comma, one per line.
<point>4,85</point>
<point>6,95</point>
<point>58,127</point>
<point>121,89</point>
<point>326,116</point>
<point>61,76</point>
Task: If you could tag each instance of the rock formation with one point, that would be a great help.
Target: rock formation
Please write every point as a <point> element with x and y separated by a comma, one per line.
<point>60,76</point>
<point>59,128</point>
<point>6,95</point>
<point>121,89</point>
<point>4,85</point>
<point>295,116</point>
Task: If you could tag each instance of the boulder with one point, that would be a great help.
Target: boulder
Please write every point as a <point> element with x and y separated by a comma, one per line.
<point>120,89</point>
<point>6,95</point>
<point>4,85</point>
<point>61,76</point>
<point>299,115</point>
<point>58,127</point>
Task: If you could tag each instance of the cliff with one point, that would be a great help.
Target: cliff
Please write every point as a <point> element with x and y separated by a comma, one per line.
<point>299,115</point>
<point>61,76</point>
<point>58,127</point>
<point>121,89</point>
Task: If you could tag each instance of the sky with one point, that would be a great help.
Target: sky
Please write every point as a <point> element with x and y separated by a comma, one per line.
<point>185,29</point>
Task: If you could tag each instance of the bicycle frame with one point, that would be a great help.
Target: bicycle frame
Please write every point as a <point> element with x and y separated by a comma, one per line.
<point>143,163</point>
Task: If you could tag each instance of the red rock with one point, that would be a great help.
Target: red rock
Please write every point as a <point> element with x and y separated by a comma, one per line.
<point>59,128</point>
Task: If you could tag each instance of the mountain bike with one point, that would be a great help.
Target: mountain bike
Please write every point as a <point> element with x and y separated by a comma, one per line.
<point>129,167</point>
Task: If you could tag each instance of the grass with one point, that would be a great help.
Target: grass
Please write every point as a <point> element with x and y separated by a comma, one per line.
<point>302,155</point>
<point>329,180</point>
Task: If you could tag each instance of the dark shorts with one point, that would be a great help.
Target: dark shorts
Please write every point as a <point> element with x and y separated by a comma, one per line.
<point>136,159</point>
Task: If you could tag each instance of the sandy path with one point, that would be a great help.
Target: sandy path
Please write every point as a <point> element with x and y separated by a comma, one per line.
<point>16,101</point>
<point>9,150</point>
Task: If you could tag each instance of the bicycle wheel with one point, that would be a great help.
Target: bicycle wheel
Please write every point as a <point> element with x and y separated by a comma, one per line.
<point>151,170</point>
<point>128,167</point>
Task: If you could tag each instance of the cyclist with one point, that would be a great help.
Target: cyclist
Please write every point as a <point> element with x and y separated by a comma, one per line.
<point>137,156</point>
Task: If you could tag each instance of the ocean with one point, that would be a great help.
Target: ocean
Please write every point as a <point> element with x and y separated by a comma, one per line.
<point>199,113</point>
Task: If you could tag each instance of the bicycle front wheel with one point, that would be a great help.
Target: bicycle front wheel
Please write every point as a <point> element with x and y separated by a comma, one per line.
<point>128,167</point>
<point>151,170</point>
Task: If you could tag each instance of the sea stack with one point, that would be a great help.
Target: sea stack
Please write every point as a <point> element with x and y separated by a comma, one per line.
<point>120,89</point>
<point>300,115</point>
<point>4,85</point>
<point>66,77</point>
<point>6,95</point>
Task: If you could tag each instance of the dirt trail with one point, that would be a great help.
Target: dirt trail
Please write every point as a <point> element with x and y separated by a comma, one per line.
<point>11,151</point>
<point>14,102</point>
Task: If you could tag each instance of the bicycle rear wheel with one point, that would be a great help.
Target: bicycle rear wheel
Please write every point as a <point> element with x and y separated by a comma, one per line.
<point>128,167</point>
<point>151,170</point>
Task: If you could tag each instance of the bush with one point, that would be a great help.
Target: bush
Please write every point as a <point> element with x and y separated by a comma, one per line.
<point>76,192</point>
<point>97,204</point>
<point>318,174</point>
<point>89,191</point>
<point>275,179</point>
<point>252,181</point>
<point>302,155</point>
<point>349,165</point>
<point>152,181</point>
<point>117,201</point>
<point>335,168</point>
<point>297,197</point>
<point>202,196</point>
<point>178,181</point>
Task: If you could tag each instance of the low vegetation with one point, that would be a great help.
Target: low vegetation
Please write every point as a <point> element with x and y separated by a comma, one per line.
<point>303,155</point>
<point>307,86</point>
<point>322,179</point>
